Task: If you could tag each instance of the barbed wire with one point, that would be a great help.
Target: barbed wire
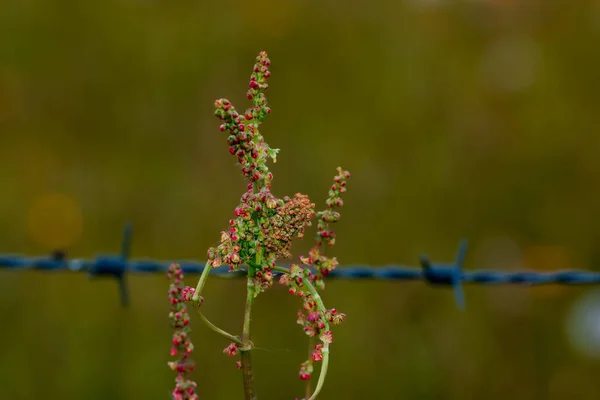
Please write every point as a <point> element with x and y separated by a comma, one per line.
<point>434,273</point>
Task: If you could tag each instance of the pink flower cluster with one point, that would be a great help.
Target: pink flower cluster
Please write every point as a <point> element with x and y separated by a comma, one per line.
<point>289,222</point>
<point>314,322</point>
<point>245,141</point>
<point>182,345</point>
<point>253,226</point>
<point>329,215</point>
<point>264,224</point>
<point>322,264</point>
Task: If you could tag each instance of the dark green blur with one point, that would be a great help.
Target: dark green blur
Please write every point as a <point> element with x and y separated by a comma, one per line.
<point>477,120</point>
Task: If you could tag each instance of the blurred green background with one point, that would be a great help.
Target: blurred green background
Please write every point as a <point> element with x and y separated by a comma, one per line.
<point>472,119</point>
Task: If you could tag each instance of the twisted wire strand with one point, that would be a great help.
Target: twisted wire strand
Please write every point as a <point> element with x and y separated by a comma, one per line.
<point>437,274</point>
<point>113,265</point>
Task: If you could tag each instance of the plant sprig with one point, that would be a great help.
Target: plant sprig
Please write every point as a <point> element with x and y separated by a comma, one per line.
<point>262,233</point>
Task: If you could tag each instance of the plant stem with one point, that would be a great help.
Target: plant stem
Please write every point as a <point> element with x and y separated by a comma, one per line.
<point>281,269</point>
<point>196,297</point>
<point>220,331</point>
<point>325,350</point>
<point>249,391</point>
<point>202,281</point>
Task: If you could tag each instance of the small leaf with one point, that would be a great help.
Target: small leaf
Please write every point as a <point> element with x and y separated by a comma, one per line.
<point>273,154</point>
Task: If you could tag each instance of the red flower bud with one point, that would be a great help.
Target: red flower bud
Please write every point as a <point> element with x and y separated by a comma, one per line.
<point>313,316</point>
<point>231,350</point>
<point>305,376</point>
<point>317,355</point>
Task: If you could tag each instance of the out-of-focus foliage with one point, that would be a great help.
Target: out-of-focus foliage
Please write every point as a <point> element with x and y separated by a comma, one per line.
<point>475,118</point>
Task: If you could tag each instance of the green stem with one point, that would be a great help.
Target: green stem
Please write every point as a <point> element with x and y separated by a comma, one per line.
<point>202,282</point>
<point>220,331</point>
<point>281,269</point>
<point>325,350</point>
<point>250,393</point>
<point>196,297</point>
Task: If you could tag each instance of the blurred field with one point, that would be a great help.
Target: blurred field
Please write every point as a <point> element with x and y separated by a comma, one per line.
<point>469,119</point>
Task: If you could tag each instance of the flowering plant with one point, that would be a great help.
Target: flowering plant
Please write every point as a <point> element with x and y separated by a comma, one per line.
<point>182,344</point>
<point>260,234</point>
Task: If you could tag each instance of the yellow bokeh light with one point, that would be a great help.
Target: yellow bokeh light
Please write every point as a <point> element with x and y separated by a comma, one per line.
<point>55,221</point>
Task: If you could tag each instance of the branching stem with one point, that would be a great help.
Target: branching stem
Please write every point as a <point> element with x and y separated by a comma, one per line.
<point>220,331</point>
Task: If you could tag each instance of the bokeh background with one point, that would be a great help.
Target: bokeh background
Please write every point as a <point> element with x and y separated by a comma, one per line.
<point>473,119</point>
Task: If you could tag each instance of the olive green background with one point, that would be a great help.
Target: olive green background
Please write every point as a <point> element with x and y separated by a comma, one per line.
<point>473,119</point>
